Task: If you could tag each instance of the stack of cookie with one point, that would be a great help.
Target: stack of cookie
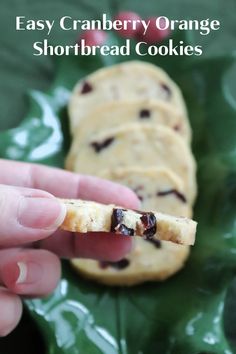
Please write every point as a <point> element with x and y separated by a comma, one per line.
<point>129,124</point>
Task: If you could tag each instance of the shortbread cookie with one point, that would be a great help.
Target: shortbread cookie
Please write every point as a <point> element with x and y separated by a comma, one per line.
<point>112,114</point>
<point>158,189</point>
<point>131,144</point>
<point>146,262</point>
<point>132,80</point>
<point>86,216</point>
<point>150,259</point>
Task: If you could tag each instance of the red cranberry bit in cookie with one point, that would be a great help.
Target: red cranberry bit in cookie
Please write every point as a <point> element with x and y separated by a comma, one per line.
<point>124,230</point>
<point>177,127</point>
<point>98,146</point>
<point>116,223</point>
<point>166,90</point>
<point>86,88</point>
<point>116,218</point>
<point>178,195</point>
<point>155,242</point>
<point>103,264</point>
<point>123,263</point>
<point>144,113</point>
<point>149,224</point>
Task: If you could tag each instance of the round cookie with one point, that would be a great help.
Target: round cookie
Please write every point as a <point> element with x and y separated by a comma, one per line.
<point>132,80</point>
<point>157,188</point>
<point>132,144</point>
<point>150,260</point>
<point>112,114</point>
<point>145,263</point>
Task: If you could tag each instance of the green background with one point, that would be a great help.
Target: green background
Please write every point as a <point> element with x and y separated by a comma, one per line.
<point>20,70</point>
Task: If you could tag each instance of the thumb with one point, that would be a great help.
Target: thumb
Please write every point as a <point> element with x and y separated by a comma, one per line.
<point>27,215</point>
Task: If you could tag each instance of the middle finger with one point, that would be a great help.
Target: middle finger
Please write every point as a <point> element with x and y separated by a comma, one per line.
<point>28,271</point>
<point>96,245</point>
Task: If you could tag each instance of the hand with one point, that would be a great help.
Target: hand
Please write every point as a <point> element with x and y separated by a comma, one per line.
<point>30,242</point>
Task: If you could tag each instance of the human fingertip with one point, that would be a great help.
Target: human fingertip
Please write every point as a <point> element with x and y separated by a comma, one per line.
<point>102,246</point>
<point>125,248</point>
<point>129,198</point>
<point>34,273</point>
<point>41,213</point>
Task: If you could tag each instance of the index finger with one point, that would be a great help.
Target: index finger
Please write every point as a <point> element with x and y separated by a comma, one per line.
<point>65,184</point>
<point>95,245</point>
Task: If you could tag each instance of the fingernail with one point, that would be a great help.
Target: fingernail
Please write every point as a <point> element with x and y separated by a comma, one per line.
<point>22,268</point>
<point>41,213</point>
<point>29,272</point>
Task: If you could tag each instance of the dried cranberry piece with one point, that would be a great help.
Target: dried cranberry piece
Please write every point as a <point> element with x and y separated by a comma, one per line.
<point>150,232</point>
<point>98,146</point>
<point>155,242</point>
<point>123,263</point>
<point>124,230</point>
<point>177,127</point>
<point>178,195</point>
<point>104,264</point>
<point>144,113</point>
<point>86,88</point>
<point>166,89</point>
<point>116,218</point>
<point>116,223</point>
<point>149,224</point>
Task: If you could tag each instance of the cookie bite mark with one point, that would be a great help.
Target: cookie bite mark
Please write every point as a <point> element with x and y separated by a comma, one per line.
<point>98,146</point>
<point>117,224</point>
<point>166,90</point>
<point>86,88</point>
<point>178,195</point>
<point>122,264</point>
<point>144,113</point>
<point>148,221</point>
